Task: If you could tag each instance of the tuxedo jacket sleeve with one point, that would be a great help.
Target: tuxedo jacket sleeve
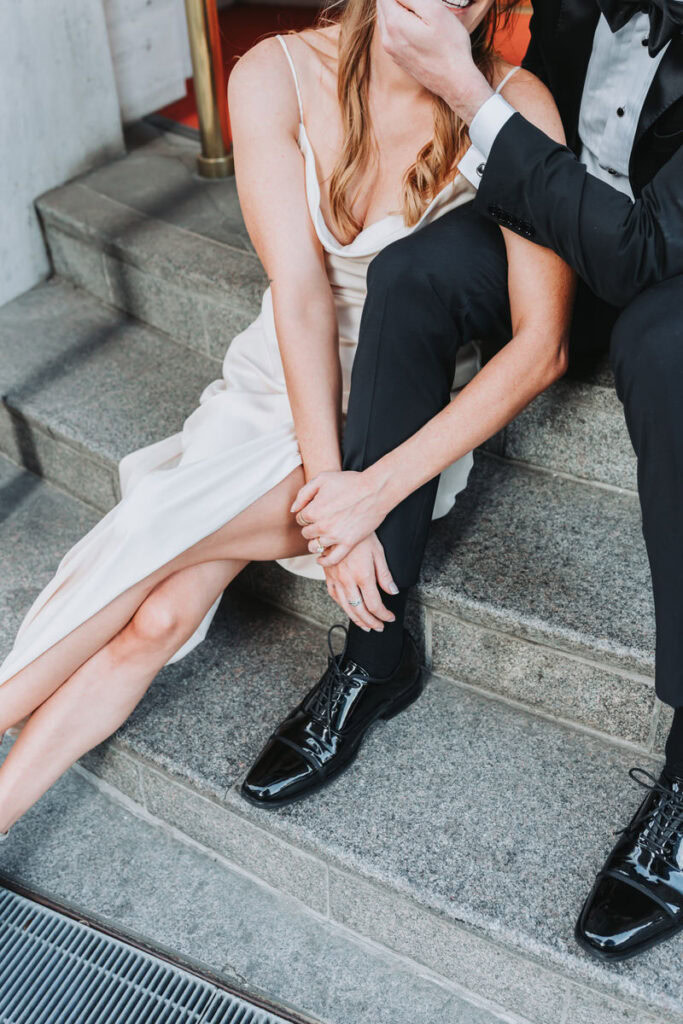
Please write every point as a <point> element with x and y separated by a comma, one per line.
<point>539,189</point>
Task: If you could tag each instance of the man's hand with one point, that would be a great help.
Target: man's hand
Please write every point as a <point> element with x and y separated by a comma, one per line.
<point>432,44</point>
<point>355,578</point>
<point>337,511</point>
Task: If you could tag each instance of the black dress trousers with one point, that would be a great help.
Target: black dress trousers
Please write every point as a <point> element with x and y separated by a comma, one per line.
<point>647,358</point>
<point>446,285</point>
<point>428,295</point>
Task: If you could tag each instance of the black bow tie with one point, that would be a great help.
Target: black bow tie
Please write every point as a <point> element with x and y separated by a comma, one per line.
<point>666,18</point>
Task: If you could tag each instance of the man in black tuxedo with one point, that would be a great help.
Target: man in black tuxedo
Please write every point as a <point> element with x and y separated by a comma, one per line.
<point>611,204</point>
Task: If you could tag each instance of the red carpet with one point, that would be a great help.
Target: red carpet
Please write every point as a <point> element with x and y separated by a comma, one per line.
<point>243,25</point>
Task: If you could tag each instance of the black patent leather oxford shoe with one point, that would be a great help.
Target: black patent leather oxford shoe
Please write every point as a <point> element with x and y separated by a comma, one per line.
<point>637,899</point>
<point>323,734</point>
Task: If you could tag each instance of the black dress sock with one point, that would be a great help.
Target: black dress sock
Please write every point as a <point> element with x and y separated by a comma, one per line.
<point>674,745</point>
<point>380,653</point>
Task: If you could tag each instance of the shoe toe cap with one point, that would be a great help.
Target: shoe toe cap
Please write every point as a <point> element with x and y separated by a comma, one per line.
<point>618,918</point>
<point>277,774</point>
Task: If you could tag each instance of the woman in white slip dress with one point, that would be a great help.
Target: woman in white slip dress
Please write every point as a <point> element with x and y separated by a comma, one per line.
<point>140,590</point>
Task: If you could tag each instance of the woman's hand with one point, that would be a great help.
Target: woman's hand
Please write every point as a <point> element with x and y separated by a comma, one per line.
<point>356,578</point>
<point>338,510</point>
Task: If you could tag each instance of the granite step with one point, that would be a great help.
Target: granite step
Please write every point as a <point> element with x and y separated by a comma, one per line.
<point>146,235</point>
<point>108,860</point>
<point>535,588</point>
<point>462,841</point>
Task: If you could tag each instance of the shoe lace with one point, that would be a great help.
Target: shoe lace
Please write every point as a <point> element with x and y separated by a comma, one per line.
<point>333,684</point>
<point>659,825</point>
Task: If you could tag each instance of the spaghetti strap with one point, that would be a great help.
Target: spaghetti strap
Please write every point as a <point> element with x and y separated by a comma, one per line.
<point>288,55</point>
<point>501,86</point>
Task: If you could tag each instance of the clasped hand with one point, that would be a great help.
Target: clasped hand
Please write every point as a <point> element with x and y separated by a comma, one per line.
<point>337,510</point>
<point>340,512</point>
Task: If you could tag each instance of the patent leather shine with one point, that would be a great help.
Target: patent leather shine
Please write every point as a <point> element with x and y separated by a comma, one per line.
<point>322,736</point>
<point>637,898</point>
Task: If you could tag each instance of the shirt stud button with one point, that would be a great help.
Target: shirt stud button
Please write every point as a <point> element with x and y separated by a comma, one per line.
<point>620,111</point>
<point>611,170</point>
<point>480,169</point>
<point>645,41</point>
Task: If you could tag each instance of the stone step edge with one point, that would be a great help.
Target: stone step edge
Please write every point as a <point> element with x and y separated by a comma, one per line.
<point>531,649</point>
<point>50,454</point>
<point>131,778</point>
<point>80,229</point>
<point>139,810</point>
<point>653,745</point>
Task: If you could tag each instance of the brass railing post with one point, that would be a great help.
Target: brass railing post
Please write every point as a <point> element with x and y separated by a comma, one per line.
<point>215,160</point>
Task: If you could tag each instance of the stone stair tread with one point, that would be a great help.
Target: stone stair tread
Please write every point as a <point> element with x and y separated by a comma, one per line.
<point>159,178</point>
<point>472,809</point>
<point>462,809</point>
<point>93,855</point>
<point>93,376</point>
<point>549,557</point>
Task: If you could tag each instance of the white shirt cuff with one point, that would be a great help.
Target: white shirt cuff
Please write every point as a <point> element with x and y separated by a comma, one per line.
<point>471,166</point>
<point>487,122</point>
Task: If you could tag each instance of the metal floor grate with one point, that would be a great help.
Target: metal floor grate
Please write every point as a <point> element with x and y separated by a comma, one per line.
<point>55,970</point>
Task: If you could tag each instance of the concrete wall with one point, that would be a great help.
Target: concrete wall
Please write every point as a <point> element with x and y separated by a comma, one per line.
<point>151,53</point>
<point>59,115</point>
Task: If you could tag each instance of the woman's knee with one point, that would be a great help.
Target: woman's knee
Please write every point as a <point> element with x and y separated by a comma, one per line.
<point>159,622</point>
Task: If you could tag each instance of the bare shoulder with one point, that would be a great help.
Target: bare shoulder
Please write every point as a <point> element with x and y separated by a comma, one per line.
<point>261,83</point>
<point>527,94</point>
<point>261,86</point>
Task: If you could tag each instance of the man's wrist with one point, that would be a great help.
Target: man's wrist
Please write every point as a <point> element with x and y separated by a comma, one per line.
<point>469,96</point>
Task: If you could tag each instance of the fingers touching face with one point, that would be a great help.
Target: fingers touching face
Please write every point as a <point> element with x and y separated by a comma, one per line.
<point>470,12</point>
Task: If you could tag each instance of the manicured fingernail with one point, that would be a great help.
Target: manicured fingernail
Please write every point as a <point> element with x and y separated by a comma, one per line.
<point>392,619</point>
<point>393,589</point>
<point>367,629</point>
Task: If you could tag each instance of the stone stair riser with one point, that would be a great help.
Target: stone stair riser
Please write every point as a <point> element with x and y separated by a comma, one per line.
<point>521,984</point>
<point>201,313</point>
<point>578,429</point>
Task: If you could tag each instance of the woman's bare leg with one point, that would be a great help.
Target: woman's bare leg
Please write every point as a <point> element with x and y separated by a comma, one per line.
<point>265,530</point>
<point>102,693</point>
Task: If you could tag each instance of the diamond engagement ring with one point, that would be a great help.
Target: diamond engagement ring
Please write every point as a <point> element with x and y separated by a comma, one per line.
<point>320,550</point>
<point>354,604</point>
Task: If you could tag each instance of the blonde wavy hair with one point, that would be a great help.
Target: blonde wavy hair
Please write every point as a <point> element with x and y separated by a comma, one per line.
<point>435,163</point>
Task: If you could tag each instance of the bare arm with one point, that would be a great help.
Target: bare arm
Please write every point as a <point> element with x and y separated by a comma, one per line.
<point>344,507</point>
<point>270,178</point>
<point>272,189</point>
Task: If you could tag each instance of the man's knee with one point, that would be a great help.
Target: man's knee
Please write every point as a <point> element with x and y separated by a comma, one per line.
<point>456,257</point>
<point>646,348</point>
<point>399,268</point>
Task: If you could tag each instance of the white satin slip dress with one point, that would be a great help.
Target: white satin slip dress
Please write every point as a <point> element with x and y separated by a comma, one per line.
<point>236,445</point>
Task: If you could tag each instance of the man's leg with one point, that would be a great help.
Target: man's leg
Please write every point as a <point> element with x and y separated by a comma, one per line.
<point>637,899</point>
<point>428,295</point>
<point>647,358</point>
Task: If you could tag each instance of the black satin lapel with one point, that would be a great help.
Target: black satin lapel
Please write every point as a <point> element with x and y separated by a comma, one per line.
<point>666,88</point>
<point>576,26</point>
